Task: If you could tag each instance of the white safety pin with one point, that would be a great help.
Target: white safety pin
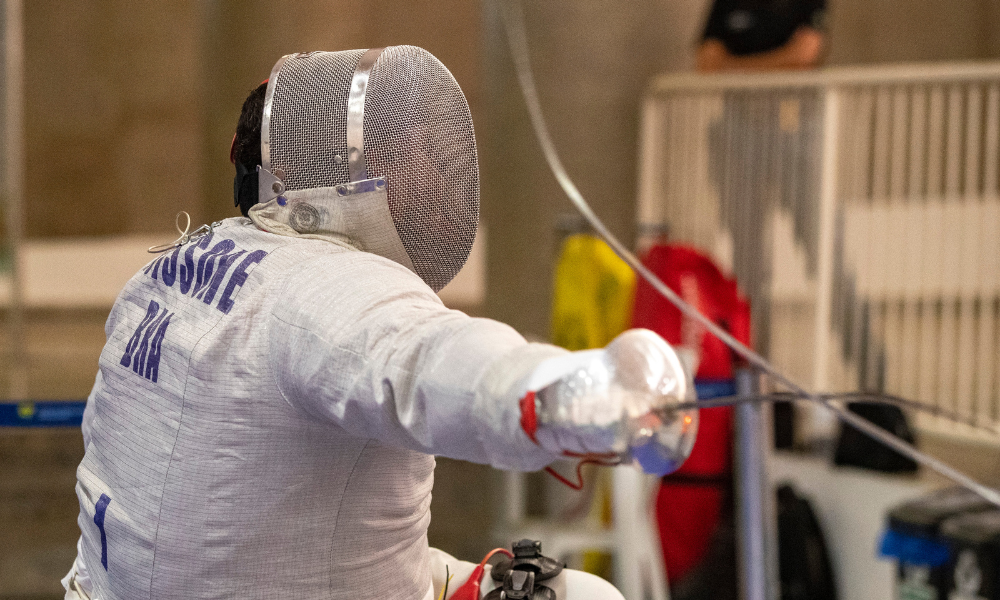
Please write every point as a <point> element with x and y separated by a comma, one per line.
<point>185,236</point>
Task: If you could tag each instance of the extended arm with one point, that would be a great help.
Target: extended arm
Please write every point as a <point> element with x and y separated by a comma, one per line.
<point>364,344</point>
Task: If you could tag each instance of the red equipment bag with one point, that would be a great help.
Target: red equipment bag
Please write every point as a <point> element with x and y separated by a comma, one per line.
<point>692,501</point>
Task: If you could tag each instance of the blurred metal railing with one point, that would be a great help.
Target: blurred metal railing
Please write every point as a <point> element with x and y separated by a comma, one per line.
<point>859,209</point>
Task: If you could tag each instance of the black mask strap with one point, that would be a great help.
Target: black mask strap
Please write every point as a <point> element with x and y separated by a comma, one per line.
<point>244,188</point>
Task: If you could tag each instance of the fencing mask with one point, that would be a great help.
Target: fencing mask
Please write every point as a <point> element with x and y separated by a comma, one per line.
<point>375,147</point>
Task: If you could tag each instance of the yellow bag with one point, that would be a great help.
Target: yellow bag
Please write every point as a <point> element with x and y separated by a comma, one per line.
<point>592,295</point>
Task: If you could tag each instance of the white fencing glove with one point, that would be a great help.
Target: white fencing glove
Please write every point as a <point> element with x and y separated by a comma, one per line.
<point>614,402</point>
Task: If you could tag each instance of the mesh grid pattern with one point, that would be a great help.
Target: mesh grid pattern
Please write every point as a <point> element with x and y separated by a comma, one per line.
<point>309,118</point>
<point>418,134</point>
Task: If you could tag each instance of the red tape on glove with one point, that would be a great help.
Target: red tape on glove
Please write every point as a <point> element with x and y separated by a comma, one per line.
<point>529,419</point>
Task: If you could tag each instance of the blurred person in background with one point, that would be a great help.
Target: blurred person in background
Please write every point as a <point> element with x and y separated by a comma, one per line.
<point>762,35</point>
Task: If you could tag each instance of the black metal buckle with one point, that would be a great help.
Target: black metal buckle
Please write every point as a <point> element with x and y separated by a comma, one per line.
<point>520,576</point>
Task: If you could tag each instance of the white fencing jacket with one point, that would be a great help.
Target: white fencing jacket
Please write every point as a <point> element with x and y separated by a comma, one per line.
<point>264,419</point>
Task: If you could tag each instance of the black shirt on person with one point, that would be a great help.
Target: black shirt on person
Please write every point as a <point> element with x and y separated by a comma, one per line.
<point>754,26</point>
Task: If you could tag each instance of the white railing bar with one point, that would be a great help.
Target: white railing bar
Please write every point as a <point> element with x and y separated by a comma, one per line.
<point>987,367</point>
<point>991,139</point>
<point>931,252</point>
<point>900,134</point>
<point>650,141</point>
<point>937,72</point>
<point>881,149</point>
<point>687,133</point>
<point>969,256</point>
<point>953,149</point>
<point>918,140</point>
<point>951,237</point>
<point>896,330</point>
<point>935,142</point>
<point>916,169</point>
<point>908,384</point>
<point>973,140</point>
<point>827,216</point>
<point>707,211</point>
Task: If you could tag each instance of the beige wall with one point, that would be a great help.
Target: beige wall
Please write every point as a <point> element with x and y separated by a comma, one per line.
<point>870,31</point>
<point>242,40</point>
<point>592,60</point>
<point>131,106</point>
<point>112,116</point>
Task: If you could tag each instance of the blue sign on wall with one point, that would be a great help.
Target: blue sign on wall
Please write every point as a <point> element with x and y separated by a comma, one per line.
<point>50,413</point>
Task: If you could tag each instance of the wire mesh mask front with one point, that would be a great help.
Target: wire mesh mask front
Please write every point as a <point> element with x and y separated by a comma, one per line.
<point>417,134</point>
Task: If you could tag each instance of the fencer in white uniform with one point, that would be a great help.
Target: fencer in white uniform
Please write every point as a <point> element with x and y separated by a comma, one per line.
<point>273,390</point>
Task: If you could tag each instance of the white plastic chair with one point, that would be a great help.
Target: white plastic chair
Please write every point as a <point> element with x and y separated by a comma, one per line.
<point>633,539</point>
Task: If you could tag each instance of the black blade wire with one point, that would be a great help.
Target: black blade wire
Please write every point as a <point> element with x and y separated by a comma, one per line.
<point>869,397</point>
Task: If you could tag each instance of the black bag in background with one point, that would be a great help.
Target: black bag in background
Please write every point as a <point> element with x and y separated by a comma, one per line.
<point>784,425</point>
<point>856,449</point>
<point>715,577</point>
<point>803,562</point>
